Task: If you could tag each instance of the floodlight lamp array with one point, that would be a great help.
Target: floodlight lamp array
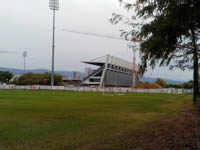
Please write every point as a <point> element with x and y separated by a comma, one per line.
<point>54,4</point>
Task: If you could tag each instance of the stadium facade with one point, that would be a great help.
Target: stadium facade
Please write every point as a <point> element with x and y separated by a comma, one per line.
<point>112,71</point>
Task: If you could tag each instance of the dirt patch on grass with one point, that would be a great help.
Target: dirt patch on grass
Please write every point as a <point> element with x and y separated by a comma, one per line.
<point>178,131</point>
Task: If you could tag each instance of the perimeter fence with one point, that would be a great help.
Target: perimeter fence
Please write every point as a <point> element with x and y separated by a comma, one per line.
<point>97,89</point>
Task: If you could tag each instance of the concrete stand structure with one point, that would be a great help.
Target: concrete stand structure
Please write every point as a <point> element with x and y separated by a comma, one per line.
<point>112,71</point>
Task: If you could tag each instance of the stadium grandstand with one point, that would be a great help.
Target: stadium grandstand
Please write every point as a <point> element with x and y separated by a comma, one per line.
<point>112,71</point>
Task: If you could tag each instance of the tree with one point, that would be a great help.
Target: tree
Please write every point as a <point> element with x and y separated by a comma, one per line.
<point>170,30</point>
<point>161,82</point>
<point>5,76</point>
<point>188,85</point>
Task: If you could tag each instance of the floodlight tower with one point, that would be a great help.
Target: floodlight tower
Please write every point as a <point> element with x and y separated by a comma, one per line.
<point>25,55</point>
<point>53,5</point>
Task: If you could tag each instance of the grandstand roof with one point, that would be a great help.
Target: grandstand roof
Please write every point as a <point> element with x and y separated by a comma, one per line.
<point>94,63</point>
<point>110,60</point>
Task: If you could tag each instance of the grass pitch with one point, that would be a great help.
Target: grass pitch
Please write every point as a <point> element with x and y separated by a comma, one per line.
<point>47,120</point>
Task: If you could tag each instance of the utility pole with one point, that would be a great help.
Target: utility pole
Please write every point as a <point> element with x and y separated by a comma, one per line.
<point>54,5</point>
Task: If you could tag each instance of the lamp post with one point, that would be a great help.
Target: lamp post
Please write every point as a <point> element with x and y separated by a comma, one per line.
<point>53,5</point>
<point>25,55</point>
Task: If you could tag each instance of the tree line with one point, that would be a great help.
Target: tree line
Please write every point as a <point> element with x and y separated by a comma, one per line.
<point>29,79</point>
<point>161,83</point>
<point>37,79</point>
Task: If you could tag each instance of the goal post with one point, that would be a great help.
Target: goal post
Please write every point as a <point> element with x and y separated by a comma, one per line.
<point>112,90</point>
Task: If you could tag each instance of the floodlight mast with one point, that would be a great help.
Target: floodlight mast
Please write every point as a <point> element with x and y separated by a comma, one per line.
<point>53,5</point>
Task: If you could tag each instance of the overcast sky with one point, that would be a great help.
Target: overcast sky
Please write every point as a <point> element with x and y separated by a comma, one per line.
<point>26,25</point>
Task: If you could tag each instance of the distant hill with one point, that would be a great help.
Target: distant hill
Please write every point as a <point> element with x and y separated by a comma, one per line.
<point>168,81</point>
<point>20,72</point>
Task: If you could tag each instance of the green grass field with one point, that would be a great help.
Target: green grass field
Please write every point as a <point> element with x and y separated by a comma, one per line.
<point>45,120</point>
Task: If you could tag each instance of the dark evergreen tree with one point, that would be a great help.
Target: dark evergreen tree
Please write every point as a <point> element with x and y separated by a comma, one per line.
<point>5,76</point>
